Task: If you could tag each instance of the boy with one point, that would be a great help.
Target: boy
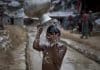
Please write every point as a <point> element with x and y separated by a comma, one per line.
<point>53,53</point>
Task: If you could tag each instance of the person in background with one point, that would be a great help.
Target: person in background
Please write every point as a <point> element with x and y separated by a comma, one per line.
<point>85,25</point>
<point>54,52</point>
<point>91,23</point>
<point>1,17</point>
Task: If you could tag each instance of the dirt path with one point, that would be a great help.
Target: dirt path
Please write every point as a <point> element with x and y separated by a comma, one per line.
<point>93,42</point>
<point>13,58</point>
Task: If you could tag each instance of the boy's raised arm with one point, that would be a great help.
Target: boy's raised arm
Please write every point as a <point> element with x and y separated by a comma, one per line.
<point>37,38</point>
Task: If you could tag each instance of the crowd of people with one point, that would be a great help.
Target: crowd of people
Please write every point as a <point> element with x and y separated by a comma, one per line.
<point>83,22</point>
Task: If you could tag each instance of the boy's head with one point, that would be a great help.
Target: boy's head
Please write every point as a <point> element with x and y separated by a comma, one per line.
<point>53,33</point>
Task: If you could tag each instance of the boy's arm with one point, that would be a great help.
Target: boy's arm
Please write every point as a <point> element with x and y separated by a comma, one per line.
<point>37,38</point>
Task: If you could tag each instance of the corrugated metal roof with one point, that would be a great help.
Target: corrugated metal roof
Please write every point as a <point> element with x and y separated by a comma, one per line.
<point>61,14</point>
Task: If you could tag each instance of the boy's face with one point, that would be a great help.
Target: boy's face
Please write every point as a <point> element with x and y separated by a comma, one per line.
<point>54,37</point>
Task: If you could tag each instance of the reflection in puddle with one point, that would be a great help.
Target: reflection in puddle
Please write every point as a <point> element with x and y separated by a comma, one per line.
<point>79,61</point>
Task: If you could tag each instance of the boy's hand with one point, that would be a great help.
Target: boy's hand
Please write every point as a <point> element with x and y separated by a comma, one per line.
<point>39,29</point>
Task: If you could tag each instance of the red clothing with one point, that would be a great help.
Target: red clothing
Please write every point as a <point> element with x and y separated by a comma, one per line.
<point>78,5</point>
<point>85,17</point>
